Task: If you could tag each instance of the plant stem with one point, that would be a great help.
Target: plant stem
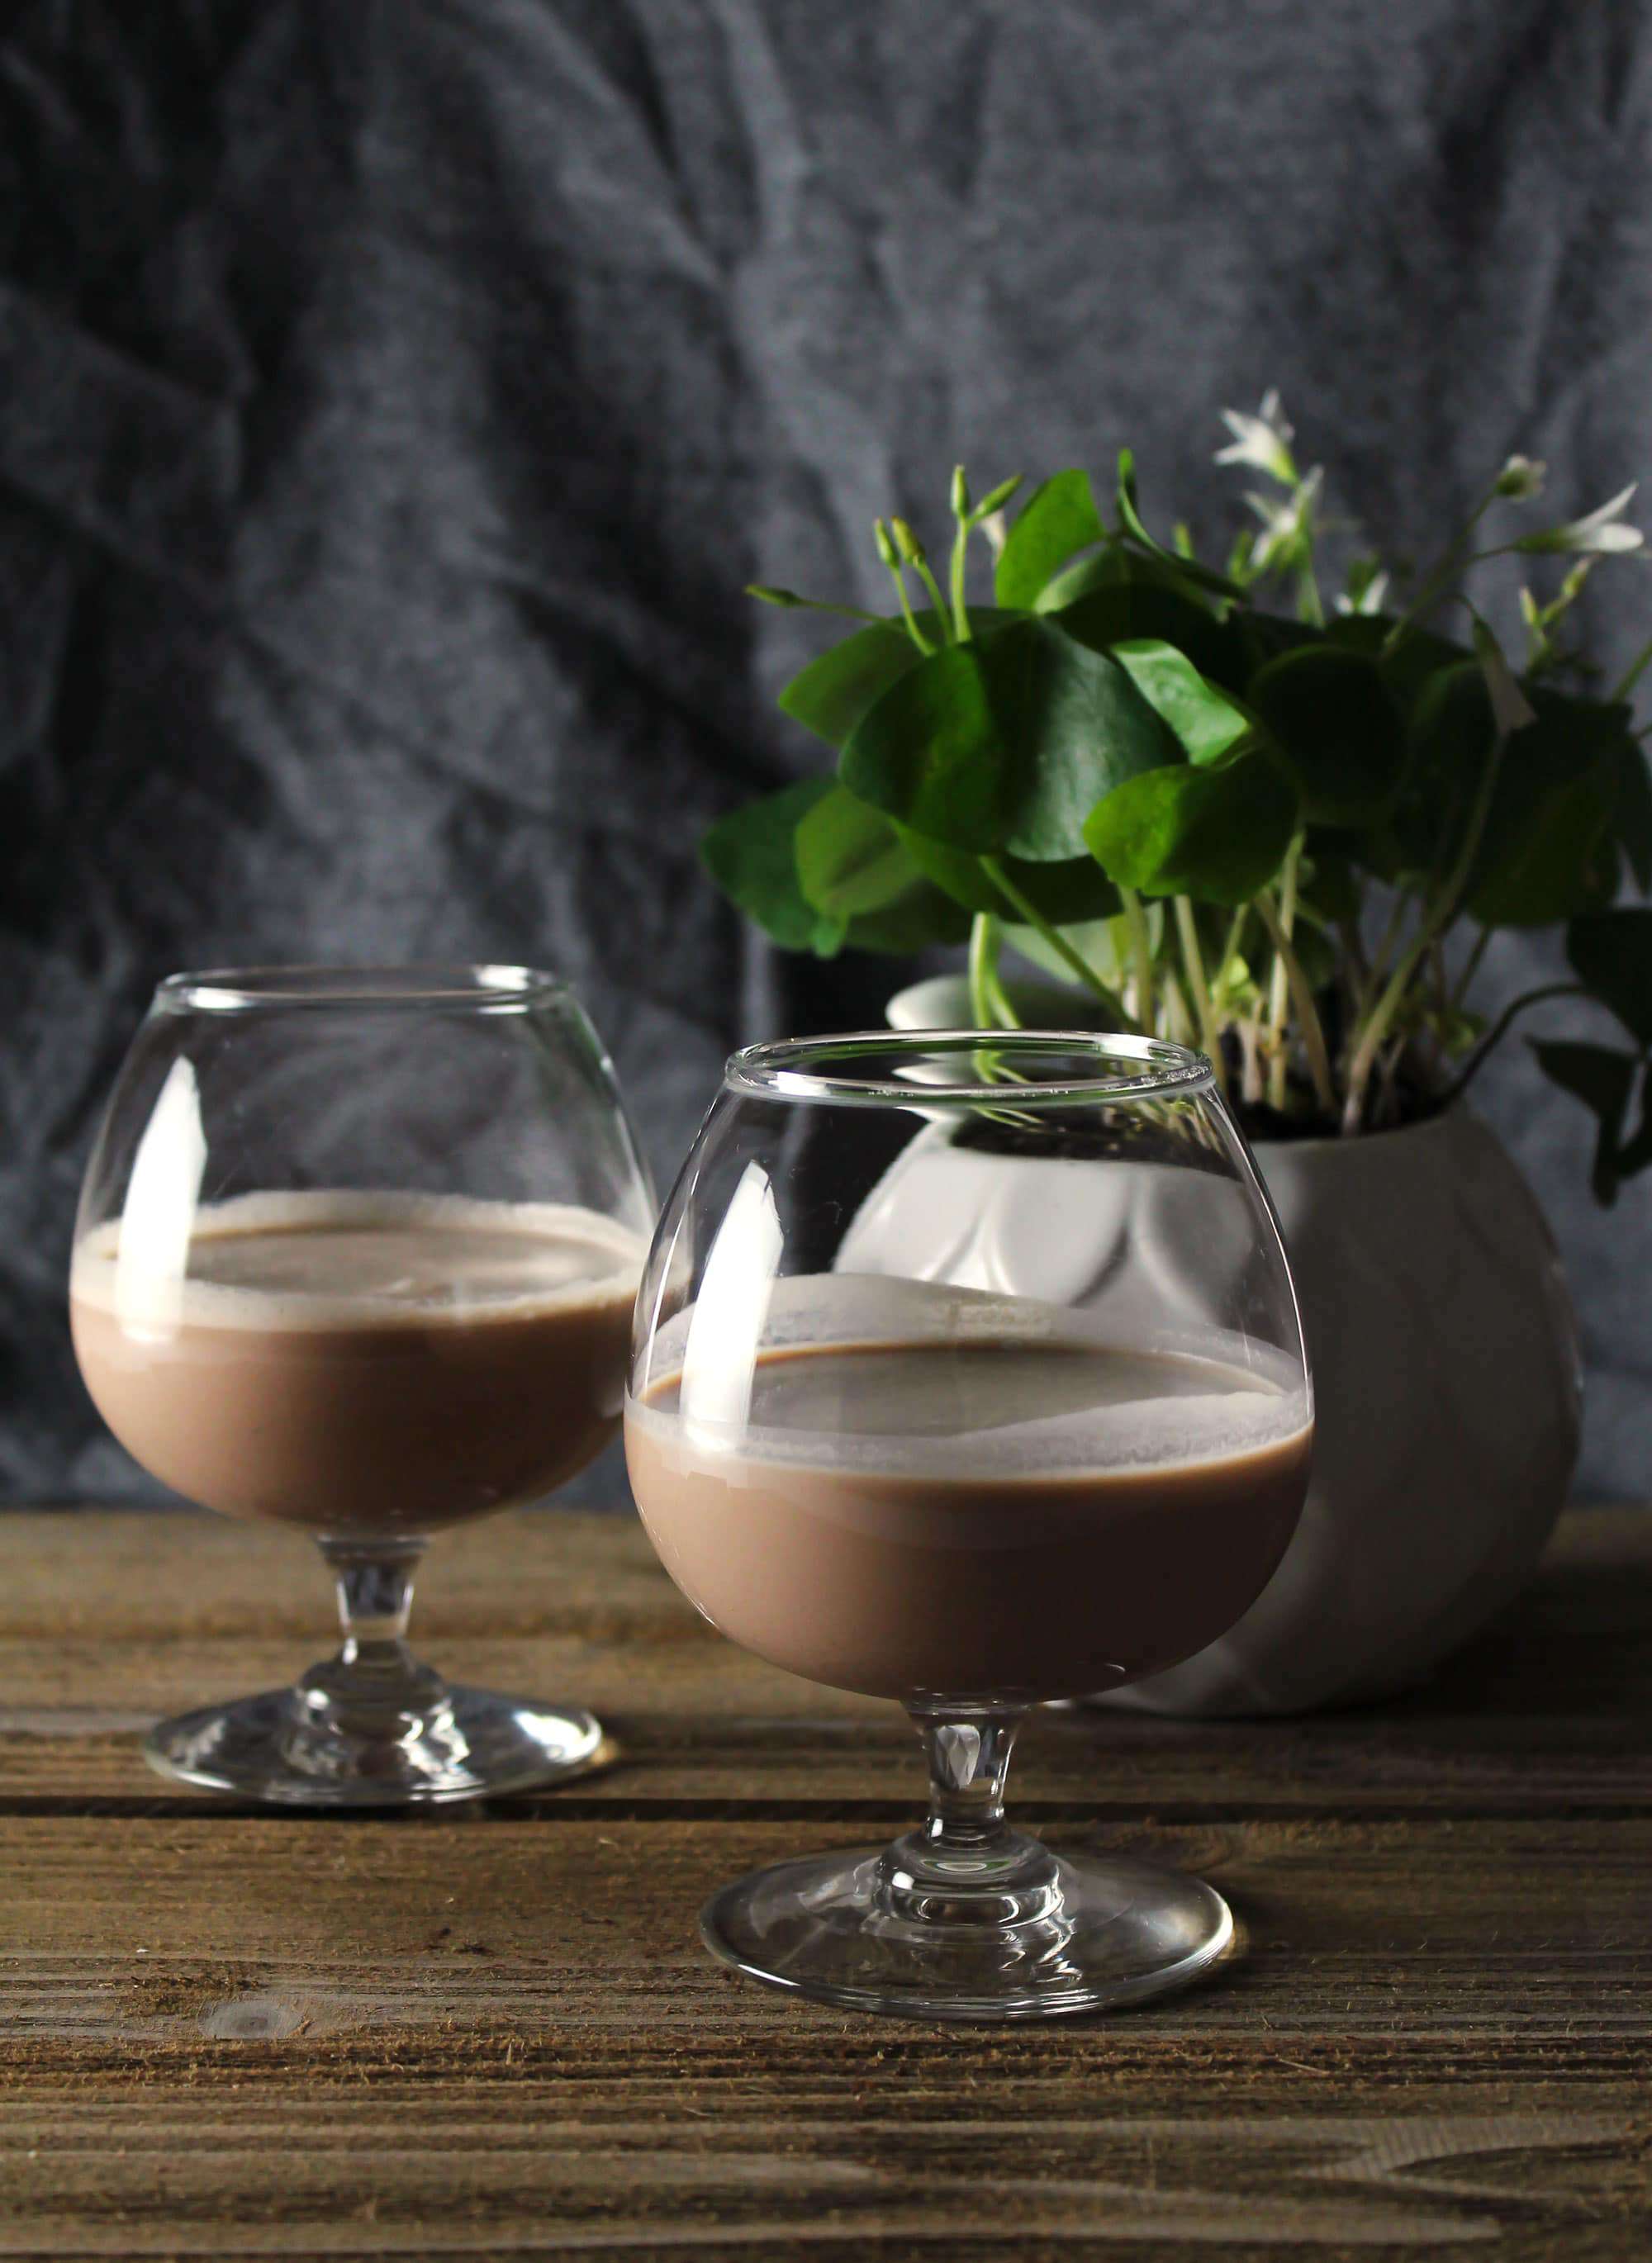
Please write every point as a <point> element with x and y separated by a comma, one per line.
<point>1434,922</point>
<point>1248,1077</point>
<point>921,568</point>
<point>1470,968</point>
<point>1354,970</point>
<point>1631,674</point>
<point>907,614</point>
<point>1193,965</point>
<point>1229,949</point>
<point>983,952</point>
<point>1427,597</point>
<point>1388,1110</point>
<point>792,602</point>
<point>1500,1028</point>
<point>1178,1020</point>
<point>1141,955</point>
<point>999,996</point>
<point>1301,996</point>
<point>1458,554</point>
<point>1057,941</point>
<point>1438,980</point>
<point>1393,998</point>
<point>1249,1039</point>
<point>1279,926</point>
<point>1375,1030</point>
<point>1384,951</point>
<point>1309,605</point>
<point>989,1002</point>
<point>961,563</point>
<point>1278,1007</point>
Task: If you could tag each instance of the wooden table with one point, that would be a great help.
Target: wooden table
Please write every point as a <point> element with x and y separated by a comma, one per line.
<point>490,2032</point>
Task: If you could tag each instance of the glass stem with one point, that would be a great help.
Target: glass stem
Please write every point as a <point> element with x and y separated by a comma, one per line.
<point>375,1671</point>
<point>375,1594</point>
<point>964,1839</point>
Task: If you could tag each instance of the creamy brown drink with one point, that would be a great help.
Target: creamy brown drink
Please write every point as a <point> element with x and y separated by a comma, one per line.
<point>355,1362</point>
<point>965,1512</point>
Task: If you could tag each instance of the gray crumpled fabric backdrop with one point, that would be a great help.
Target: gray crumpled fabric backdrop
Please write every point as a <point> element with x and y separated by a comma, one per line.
<point>394,395</point>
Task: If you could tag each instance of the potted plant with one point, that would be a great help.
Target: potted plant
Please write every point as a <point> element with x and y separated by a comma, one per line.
<point>1283,833</point>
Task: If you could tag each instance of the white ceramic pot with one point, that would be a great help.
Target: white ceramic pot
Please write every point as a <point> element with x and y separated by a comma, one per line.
<point>1446,1383</point>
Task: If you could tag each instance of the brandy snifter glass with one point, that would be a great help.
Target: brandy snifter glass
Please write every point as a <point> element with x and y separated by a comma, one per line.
<point>356,1253</point>
<point>969,1374</point>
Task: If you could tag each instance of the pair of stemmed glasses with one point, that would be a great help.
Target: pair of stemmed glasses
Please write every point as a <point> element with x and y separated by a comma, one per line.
<point>961,1368</point>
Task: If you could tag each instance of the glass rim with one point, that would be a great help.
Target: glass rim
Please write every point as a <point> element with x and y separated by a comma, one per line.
<point>484,986</point>
<point>797,1068</point>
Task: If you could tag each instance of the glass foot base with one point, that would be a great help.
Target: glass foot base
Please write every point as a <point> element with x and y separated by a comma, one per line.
<point>1054,1934</point>
<point>295,1748</point>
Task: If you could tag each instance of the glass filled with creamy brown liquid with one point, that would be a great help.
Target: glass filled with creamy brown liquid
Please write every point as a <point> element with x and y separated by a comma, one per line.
<point>357,1253</point>
<point>969,1374</point>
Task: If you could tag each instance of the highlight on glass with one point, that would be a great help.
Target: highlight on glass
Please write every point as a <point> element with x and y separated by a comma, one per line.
<point>968,1373</point>
<point>356,1253</point>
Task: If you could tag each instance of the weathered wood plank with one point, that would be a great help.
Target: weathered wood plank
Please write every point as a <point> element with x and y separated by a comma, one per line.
<point>150,1615</point>
<point>1432,1931</point>
<point>210,2178</point>
<point>490,2034</point>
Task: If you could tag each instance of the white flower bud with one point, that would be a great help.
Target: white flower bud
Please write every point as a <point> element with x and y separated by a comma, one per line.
<point>1598,533</point>
<point>1520,479</point>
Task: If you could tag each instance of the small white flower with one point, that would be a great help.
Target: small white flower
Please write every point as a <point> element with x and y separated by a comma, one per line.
<point>1264,440</point>
<point>1370,599</point>
<point>1284,523</point>
<point>1599,531</point>
<point>1521,479</point>
<point>995,527</point>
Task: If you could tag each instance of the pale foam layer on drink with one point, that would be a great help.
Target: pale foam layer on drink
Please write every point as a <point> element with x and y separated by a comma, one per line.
<point>925,1380</point>
<point>338,1259</point>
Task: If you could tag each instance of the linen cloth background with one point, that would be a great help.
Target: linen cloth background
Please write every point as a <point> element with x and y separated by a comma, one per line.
<point>394,395</point>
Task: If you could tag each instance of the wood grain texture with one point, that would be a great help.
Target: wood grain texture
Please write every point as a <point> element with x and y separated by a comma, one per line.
<point>491,2032</point>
